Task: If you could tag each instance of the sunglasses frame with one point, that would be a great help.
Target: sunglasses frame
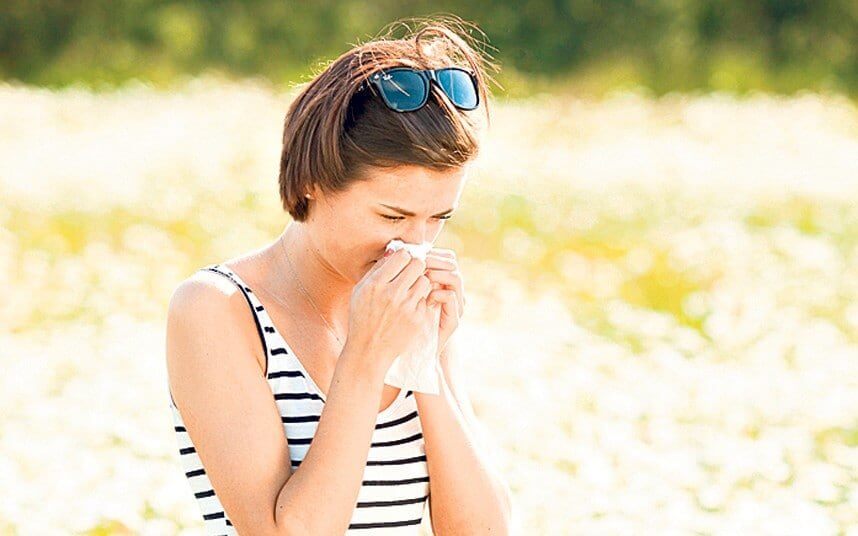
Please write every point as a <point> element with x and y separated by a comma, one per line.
<point>429,76</point>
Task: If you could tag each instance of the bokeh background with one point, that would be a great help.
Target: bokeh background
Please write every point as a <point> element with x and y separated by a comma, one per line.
<point>659,243</point>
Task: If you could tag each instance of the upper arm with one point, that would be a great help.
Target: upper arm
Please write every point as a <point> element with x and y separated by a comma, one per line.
<point>225,401</point>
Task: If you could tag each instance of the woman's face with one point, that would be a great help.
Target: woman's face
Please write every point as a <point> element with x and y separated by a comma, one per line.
<point>352,228</point>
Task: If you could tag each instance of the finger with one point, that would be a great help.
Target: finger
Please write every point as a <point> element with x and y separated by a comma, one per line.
<point>414,270</point>
<point>443,252</point>
<point>440,263</point>
<point>448,301</point>
<point>420,289</point>
<point>449,279</point>
<point>422,305</point>
<point>441,296</point>
<point>390,265</point>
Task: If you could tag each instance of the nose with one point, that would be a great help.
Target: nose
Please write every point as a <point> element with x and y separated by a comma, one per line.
<point>416,234</point>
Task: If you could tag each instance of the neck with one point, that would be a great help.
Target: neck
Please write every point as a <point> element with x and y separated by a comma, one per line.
<point>328,290</point>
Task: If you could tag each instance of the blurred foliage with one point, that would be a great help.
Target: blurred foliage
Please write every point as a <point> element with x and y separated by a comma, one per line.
<point>663,45</point>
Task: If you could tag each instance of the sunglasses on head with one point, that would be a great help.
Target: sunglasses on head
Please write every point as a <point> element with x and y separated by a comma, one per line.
<point>404,89</point>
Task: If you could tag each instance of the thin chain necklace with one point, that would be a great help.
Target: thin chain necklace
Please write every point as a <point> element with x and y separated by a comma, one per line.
<point>310,299</point>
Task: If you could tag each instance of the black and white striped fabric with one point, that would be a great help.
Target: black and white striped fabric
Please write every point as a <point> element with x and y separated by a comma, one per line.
<point>394,492</point>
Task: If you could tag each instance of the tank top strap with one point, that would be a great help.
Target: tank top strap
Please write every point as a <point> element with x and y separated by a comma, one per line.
<point>255,306</point>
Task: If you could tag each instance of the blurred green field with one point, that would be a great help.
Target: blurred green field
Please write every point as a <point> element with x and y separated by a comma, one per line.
<point>662,323</point>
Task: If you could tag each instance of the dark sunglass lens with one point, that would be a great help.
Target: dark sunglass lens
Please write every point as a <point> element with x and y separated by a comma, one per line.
<point>459,87</point>
<point>403,90</point>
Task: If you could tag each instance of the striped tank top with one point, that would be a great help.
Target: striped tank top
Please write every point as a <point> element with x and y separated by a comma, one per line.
<point>395,485</point>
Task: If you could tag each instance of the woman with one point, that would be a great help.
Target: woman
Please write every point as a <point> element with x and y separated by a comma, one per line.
<point>375,148</point>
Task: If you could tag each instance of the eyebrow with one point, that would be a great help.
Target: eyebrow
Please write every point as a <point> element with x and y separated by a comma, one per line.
<point>409,213</point>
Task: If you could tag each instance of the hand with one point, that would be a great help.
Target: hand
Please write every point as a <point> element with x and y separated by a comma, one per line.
<point>448,289</point>
<point>387,306</point>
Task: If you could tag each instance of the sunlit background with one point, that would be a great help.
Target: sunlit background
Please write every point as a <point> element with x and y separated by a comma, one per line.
<point>659,243</point>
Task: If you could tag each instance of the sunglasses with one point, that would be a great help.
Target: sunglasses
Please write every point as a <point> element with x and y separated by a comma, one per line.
<point>404,89</point>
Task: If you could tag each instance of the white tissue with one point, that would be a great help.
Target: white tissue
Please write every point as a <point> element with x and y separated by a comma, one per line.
<point>417,368</point>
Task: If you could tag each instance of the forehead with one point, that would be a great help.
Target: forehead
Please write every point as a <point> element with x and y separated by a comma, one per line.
<point>417,185</point>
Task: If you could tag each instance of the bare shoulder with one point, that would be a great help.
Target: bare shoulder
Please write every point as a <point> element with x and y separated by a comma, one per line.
<point>208,308</point>
<point>207,286</point>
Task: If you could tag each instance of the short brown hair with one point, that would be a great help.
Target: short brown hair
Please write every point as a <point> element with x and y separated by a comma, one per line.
<point>332,133</point>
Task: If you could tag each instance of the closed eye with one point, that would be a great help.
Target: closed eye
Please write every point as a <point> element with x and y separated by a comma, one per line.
<point>402,218</point>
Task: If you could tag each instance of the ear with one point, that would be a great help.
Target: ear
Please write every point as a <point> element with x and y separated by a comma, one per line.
<point>314,193</point>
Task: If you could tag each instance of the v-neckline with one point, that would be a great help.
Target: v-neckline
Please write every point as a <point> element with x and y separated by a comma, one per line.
<point>276,332</point>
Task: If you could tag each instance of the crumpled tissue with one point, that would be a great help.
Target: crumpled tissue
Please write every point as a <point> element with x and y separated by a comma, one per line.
<point>417,368</point>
